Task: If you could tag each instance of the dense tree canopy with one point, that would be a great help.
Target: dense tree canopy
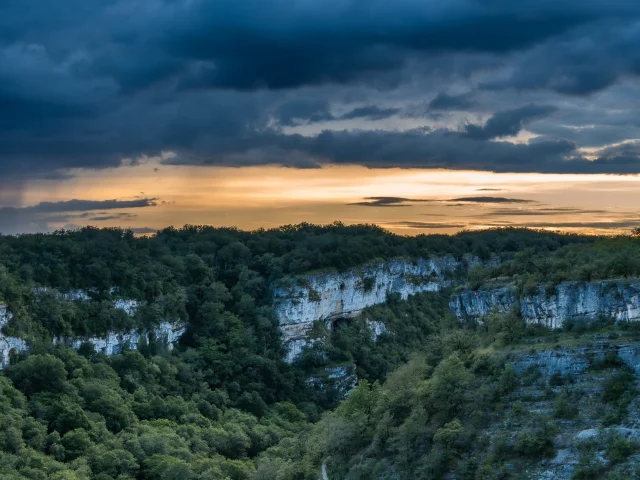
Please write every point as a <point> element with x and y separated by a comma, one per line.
<point>213,406</point>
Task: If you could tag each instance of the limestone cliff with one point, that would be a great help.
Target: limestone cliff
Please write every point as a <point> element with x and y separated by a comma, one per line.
<point>113,342</point>
<point>575,359</point>
<point>617,299</point>
<point>331,296</point>
<point>109,344</point>
<point>8,345</point>
<point>473,305</point>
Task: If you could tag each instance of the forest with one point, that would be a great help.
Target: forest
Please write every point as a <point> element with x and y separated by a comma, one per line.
<point>224,405</point>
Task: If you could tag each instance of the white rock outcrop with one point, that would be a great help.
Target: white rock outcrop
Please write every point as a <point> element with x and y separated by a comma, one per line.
<point>75,295</point>
<point>113,342</point>
<point>473,305</point>
<point>129,306</point>
<point>330,296</point>
<point>377,328</point>
<point>8,345</point>
<point>575,359</point>
<point>110,344</point>
<point>617,299</point>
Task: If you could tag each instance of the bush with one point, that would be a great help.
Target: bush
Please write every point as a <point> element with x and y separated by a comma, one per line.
<point>617,385</point>
<point>565,406</point>
<point>538,442</point>
<point>557,379</point>
<point>368,283</point>
<point>619,448</point>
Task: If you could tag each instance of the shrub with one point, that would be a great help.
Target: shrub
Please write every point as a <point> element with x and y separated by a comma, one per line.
<point>538,442</point>
<point>619,448</point>
<point>368,283</point>
<point>565,407</point>
<point>616,385</point>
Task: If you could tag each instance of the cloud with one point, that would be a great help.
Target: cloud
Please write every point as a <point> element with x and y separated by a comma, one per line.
<point>425,225</point>
<point>604,225</point>
<point>491,200</point>
<point>144,230</point>
<point>370,112</point>
<point>621,224</point>
<point>580,62</point>
<point>38,218</point>
<point>304,110</point>
<point>76,205</point>
<point>308,111</point>
<point>387,202</point>
<point>508,123</point>
<point>464,201</point>
<point>420,148</point>
<point>444,101</point>
<point>108,84</point>
<point>279,46</point>
<point>118,216</point>
<point>547,211</point>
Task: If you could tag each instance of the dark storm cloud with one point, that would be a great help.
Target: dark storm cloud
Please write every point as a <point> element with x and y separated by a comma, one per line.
<point>593,123</point>
<point>302,111</point>
<point>443,101</point>
<point>282,45</point>
<point>370,112</point>
<point>581,62</point>
<point>508,123</point>
<point>422,148</point>
<point>308,111</point>
<point>101,84</point>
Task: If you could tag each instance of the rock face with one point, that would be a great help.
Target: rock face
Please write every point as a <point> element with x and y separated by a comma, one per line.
<point>341,378</point>
<point>8,345</point>
<point>377,328</point>
<point>332,296</point>
<point>473,305</point>
<point>575,360</point>
<point>615,299</point>
<point>111,344</point>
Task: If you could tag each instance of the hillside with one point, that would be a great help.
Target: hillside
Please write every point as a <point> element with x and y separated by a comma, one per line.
<point>170,357</point>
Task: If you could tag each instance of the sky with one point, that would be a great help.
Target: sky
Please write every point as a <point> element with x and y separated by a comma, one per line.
<point>422,116</point>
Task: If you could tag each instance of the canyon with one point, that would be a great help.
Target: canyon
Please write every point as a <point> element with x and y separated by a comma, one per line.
<point>331,297</point>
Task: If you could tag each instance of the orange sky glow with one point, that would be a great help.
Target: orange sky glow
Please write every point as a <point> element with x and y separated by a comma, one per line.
<point>255,197</point>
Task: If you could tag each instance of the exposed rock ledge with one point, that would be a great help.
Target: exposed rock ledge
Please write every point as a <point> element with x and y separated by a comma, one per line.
<point>617,299</point>
<point>331,296</point>
<point>8,345</point>
<point>573,360</point>
<point>111,344</point>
